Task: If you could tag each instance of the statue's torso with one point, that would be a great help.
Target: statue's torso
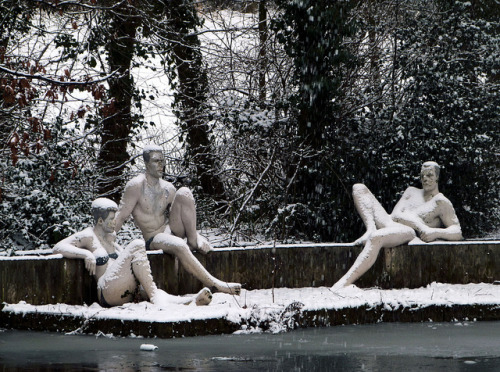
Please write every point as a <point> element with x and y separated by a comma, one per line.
<point>153,203</point>
<point>101,248</point>
<point>413,202</point>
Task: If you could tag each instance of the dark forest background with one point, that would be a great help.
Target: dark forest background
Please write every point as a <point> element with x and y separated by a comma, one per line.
<point>274,118</point>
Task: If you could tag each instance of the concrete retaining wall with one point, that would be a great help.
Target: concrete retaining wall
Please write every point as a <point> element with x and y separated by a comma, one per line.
<point>53,279</point>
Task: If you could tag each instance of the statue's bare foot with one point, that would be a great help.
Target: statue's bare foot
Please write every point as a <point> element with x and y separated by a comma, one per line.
<point>203,246</point>
<point>163,300</point>
<point>231,288</point>
<point>204,297</point>
<point>160,299</point>
<point>364,238</point>
<point>339,285</point>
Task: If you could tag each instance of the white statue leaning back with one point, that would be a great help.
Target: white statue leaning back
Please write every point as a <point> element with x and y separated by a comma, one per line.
<point>116,269</point>
<point>425,213</point>
<point>150,200</point>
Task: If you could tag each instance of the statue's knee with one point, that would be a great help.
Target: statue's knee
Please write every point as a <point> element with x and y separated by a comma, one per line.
<point>377,240</point>
<point>136,244</point>
<point>137,250</point>
<point>411,233</point>
<point>184,193</point>
<point>359,188</point>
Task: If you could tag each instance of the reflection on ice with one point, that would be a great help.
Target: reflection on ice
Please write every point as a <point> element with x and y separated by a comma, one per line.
<point>471,346</point>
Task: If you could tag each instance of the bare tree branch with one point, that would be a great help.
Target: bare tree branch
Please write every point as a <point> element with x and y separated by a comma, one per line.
<point>54,81</point>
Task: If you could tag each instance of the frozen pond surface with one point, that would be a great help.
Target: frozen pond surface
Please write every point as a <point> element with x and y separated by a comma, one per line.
<point>460,346</point>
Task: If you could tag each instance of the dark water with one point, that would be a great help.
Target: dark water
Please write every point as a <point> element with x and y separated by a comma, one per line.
<point>466,346</point>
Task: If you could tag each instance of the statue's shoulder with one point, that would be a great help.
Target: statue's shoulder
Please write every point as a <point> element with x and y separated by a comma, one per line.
<point>412,191</point>
<point>167,186</point>
<point>87,235</point>
<point>136,182</point>
<point>440,198</point>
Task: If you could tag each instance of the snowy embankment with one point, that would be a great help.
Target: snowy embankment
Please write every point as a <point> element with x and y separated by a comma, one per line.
<point>282,308</point>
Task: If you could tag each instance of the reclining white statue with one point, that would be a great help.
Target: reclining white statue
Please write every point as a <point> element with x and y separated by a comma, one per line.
<point>425,213</point>
<point>149,199</point>
<point>118,270</point>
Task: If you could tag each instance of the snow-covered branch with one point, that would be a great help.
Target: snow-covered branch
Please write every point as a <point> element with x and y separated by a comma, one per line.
<point>55,81</point>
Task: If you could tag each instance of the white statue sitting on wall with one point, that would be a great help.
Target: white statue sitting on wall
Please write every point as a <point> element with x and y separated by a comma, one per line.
<point>425,213</point>
<point>118,270</point>
<point>150,199</point>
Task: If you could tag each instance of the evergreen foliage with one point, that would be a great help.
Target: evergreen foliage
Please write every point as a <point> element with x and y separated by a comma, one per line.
<point>354,92</point>
<point>451,110</point>
<point>314,35</point>
<point>47,194</point>
<point>439,102</point>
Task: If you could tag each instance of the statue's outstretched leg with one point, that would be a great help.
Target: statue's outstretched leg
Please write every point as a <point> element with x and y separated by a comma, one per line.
<point>183,221</point>
<point>178,247</point>
<point>391,236</point>
<point>162,299</point>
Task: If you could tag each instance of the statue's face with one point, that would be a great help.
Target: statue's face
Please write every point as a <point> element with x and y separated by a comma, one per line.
<point>155,165</point>
<point>429,179</point>
<point>108,225</point>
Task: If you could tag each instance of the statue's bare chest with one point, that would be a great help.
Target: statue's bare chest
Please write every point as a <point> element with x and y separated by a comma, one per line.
<point>154,199</point>
<point>428,211</point>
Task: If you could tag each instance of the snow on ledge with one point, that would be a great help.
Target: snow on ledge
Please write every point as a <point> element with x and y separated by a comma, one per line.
<point>42,254</point>
<point>265,304</point>
<point>47,253</point>
<point>30,257</point>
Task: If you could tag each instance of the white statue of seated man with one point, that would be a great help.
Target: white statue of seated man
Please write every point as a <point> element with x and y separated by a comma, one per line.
<point>150,199</point>
<point>425,213</point>
<point>116,269</point>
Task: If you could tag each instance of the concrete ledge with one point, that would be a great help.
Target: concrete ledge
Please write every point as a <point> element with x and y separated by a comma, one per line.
<point>265,310</point>
<point>203,327</point>
<point>52,279</point>
<point>36,321</point>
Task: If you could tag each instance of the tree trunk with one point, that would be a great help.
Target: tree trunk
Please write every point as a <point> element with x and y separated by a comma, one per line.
<point>191,98</point>
<point>117,119</point>
<point>262,50</point>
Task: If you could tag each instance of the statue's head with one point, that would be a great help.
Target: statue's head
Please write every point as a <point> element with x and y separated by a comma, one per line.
<point>154,160</point>
<point>148,149</point>
<point>431,165</point>
<point>429,176</point>
<point>101,208</point>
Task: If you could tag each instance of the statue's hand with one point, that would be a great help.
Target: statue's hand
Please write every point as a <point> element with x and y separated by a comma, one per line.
<point>428,235</point>
<point>90,263</point>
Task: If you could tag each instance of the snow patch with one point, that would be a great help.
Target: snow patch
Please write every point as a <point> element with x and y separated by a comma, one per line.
<point>268,310</point>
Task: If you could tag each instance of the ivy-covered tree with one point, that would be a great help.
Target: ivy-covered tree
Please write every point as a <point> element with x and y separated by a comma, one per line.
<point>438,101</point>
<point>314,35</point>
<point>449,59</point>
<point>14,23</point>
<point>172,28</point>
<point>118,33</point>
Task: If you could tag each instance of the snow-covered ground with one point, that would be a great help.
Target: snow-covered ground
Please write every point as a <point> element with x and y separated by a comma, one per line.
<point>268,305</point>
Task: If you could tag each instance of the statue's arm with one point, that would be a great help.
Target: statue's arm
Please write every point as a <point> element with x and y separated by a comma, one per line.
<point>78,246</point>
<point>448,216</point>
<point>446,213</point>
<point>403,214</point>
<point>170,193</point>
<point>118,248</point>
<point>453,232</point>
<point>128,202</point>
